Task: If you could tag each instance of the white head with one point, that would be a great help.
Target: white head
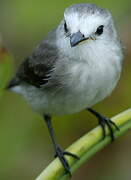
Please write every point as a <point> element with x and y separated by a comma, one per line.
<point>84,23</point>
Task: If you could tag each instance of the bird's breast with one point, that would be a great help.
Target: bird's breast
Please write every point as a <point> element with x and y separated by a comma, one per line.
<point>91,78</point>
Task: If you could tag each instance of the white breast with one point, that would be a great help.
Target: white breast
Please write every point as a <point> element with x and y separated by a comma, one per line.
<point>93,75</point>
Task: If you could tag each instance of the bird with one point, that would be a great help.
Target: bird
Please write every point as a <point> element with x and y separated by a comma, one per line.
<point>77,65</point>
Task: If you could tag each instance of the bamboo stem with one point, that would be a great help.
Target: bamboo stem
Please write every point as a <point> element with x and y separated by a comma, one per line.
<point>86,147</point>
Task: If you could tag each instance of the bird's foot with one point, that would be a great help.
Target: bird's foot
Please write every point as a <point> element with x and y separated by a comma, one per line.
<point>61,155</point>
<point>104,121</point>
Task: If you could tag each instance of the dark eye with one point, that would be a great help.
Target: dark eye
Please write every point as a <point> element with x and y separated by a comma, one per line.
<point>99,30</point>
<point>65,27</point>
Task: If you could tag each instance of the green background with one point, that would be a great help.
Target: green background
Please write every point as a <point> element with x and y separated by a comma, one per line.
<point>25,148</point>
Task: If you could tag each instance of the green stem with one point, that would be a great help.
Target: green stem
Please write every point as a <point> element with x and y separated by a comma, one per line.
<point>85,148</point>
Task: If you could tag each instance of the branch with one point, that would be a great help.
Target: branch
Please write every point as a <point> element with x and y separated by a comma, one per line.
<point>86,147</point>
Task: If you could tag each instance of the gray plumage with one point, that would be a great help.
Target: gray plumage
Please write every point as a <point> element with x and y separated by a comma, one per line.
<point>60,79</point>
<point>86,9</point>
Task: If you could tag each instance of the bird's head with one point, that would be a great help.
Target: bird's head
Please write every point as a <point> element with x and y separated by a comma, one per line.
<point>84,23</point>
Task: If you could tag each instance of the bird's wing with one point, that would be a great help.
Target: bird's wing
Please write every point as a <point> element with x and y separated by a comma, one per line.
<point>35,74</point>
<point>36,70</point>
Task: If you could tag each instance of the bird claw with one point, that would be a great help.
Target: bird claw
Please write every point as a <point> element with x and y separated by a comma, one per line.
<point>72,155</point>
<point>60,154</point>
<point>103,121</point>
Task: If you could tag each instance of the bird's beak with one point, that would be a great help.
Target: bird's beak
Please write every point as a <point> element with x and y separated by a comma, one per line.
<point>76,38</point>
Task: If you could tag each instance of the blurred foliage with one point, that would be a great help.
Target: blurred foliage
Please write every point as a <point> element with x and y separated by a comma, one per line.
<point>25,147</point>
<point>5,68</point>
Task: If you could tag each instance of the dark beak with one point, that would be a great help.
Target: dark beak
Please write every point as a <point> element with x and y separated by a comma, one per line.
<point>76,38</point>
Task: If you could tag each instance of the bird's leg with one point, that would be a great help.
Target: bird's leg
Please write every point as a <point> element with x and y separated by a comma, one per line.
<point>58,151</point>
<point>103,121</point>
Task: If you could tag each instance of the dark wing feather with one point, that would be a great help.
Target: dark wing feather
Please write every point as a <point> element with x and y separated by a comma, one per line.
<point>36,70</point>
<point>36,75</point>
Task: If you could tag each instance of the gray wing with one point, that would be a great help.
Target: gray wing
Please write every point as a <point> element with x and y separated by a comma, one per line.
<point>36,69</point>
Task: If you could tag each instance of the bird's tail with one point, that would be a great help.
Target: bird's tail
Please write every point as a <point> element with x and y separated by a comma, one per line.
<point>14,82</point>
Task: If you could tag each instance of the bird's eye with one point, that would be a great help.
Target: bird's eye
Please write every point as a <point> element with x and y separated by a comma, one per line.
<point>99,30</point>
<point>65,27</point>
